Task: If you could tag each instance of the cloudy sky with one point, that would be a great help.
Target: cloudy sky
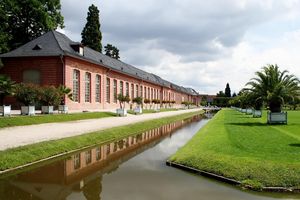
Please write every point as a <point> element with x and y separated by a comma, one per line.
<point>197,43</point>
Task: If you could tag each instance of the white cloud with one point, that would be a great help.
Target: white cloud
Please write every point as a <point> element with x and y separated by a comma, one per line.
<point>201,44</point>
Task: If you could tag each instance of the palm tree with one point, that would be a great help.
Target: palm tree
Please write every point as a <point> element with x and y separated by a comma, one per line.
<point>6,87</point>
<point>274,87</point>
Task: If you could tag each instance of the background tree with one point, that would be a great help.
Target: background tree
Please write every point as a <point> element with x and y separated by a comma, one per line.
<point>91,34</point>
<point>112,51</point>
<point>227,91</point>
<point>24,20</point>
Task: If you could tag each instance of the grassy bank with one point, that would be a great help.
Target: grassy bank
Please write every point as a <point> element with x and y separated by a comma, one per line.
<point>240,147</point>
<point>22,155</point>
<point>40,119</point>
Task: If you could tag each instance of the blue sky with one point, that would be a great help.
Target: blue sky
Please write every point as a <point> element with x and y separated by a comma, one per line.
<point>199,44</point>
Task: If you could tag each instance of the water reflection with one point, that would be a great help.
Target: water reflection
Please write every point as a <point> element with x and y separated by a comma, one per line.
<point>80,176</point>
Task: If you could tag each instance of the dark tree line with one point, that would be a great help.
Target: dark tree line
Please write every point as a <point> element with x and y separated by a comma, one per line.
<point>24,20</point>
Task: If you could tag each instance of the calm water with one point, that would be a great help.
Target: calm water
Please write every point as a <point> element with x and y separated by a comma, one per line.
<point>133,168</point>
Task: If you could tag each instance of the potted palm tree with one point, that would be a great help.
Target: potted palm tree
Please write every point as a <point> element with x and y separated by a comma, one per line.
<point>138,109</point>
<point>28,95</point>
<point>6,89</point>
<point>122,100</point>
<point>49,97</point>
<point>64,92</point>
<point>275,87</point>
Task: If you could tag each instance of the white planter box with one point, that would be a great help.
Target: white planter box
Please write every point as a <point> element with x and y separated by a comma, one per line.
<point>63,109</point>
<point>257,113</point>
<point>249,111</point>
<point>5,110</point>
<point>27,110</point>
<point>121,112</point>
<point>47,109</point>
<point>277,118</point>
<point>138,110</point>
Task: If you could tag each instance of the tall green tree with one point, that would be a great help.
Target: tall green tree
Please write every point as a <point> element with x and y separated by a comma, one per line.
<point>227,90</point>
<point>91,34</point>
<point>112,51</point>
<point>24,20</point>
<point>275,87</point>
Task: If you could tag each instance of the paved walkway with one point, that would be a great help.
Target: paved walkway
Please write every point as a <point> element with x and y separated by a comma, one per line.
<point>24,135</point>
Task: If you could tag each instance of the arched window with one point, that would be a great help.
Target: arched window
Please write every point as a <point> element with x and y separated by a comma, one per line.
<point>121,87</point>
<point>32,76</point>
<point>115,91</point>
<point>87,87</point>
<point>76,85</point>
<point>107,90</point>
<point>98,88</point>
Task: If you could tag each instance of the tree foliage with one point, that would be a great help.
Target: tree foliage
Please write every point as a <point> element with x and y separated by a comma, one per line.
<point>24,20</point>
<point>227,90</point>
<point>112,51</point>
<point>274,87</point>
<point>91,34</point>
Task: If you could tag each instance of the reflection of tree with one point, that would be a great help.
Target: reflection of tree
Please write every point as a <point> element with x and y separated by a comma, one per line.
<point>92,190</point>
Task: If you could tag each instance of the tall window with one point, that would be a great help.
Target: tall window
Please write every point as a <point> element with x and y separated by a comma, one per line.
<point>141,91</point>
<point>76,161</point>
<point>76,85</point>
<point>115,91</point>
<point>148,93</point>
<point>87,87</point>
<point>121,87</point>
<point>88,157</point>
<point>132,91</point>
<point>145,92</point>
<point>107,90</point>
<point>151,93</point>
<point>32,76</point>
<point>137,91</point>
<point>127,89</point>
<point>98,153</point>
<point>98,88</point>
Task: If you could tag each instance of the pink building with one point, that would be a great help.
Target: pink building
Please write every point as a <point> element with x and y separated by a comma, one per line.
<point>95,79</point>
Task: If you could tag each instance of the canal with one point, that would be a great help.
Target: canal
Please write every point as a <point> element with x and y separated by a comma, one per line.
<point>132,168</point>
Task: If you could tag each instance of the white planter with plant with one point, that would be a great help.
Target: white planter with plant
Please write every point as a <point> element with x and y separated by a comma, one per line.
<point>138,109</point>
<point>6,89</point>
<point>122,100</point>
<point>49,97</point>
<point>64,93</point>
<point>47,109</point>
<point>5,110</point>
<point>257,113</point>
<point>28,95</point>
<point>28,110</point>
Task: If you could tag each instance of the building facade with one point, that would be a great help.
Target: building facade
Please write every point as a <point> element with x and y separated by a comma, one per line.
<point>95,79</point>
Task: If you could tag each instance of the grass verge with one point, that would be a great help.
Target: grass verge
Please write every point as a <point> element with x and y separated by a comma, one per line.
<point>22,155</point>
<point>237,146</point>
<point>40,119</point>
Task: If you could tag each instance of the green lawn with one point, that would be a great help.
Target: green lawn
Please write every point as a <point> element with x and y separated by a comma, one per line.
<point>26,154</point>
<point>238,146</point>
<point>40,119</point>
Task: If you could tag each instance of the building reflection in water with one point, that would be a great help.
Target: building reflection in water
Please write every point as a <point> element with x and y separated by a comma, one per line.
<point>81,173</point>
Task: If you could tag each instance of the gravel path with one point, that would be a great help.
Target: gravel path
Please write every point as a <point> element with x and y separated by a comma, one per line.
<point>24,135</point>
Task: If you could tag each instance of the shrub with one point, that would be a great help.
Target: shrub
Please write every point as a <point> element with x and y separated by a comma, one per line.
<point>27,94</point>
<point>6,87</point>
<point>50,96</point>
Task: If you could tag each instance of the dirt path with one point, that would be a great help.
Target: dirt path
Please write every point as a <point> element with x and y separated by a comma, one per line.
<point>24,135</point>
